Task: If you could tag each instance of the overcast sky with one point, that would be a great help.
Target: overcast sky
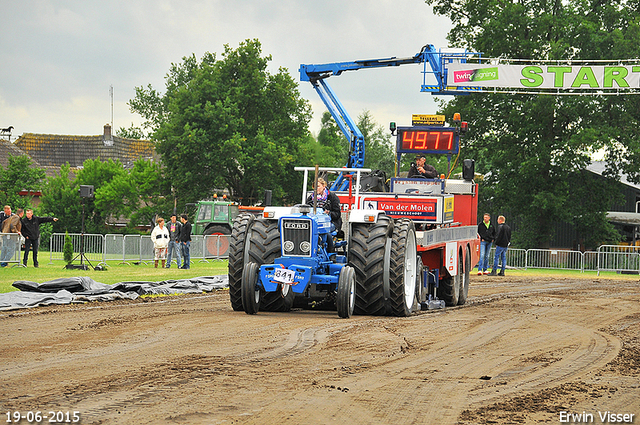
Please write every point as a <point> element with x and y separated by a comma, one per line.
<point>59,58</point>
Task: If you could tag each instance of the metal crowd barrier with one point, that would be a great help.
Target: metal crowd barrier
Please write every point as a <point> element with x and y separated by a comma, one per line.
<point>216,247</point>
<point>554,259</point>
<point>130,249</point>
<point>93,246</point>
<point>10,249</point>
<point>618,258</point>
<point>615,258</point>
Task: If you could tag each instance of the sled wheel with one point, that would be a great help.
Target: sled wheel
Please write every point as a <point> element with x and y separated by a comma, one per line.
<point>466,277</point>
<point>449,288</point>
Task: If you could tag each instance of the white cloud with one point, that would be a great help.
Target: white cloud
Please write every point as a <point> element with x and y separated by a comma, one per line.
<point>60,57</point>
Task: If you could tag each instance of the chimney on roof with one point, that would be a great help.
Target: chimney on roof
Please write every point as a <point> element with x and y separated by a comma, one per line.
<point>107,138</point>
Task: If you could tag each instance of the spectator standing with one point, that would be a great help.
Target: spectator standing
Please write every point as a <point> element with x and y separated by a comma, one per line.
<point>487,234</point>
<point>10,243</point>
<point>160,238</point>
<point>503,239</point>
<point>185,241</point>
<point>31,233</point>
<point>174,227</point>
<point>6,213</point>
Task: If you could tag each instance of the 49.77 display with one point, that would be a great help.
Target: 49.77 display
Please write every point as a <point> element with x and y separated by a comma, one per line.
<point>427,140</point>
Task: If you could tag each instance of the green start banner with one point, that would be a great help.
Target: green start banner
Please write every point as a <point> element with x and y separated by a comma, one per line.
<point>560,77</point>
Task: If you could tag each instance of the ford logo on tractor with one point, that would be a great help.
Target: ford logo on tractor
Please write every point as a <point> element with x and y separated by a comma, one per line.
<point>303,226</point>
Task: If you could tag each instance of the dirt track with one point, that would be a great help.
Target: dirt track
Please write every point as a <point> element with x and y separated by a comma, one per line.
<point>522,350</point>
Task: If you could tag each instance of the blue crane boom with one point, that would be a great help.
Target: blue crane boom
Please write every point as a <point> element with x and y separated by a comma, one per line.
<point>433,63</point>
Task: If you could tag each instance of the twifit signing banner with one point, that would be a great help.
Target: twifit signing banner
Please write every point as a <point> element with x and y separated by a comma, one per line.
<point>561,77</point>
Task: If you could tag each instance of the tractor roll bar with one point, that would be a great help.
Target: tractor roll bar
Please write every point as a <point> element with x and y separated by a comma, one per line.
<point>332,170</point>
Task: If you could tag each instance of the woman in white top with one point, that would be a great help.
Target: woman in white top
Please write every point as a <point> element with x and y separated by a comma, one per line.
<point>160,238</point>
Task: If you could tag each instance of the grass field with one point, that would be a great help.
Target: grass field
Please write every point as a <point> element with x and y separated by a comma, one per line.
<point>146,272</point>
<point>115,273</point>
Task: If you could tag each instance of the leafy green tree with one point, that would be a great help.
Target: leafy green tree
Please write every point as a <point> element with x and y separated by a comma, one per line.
<point>531,146</point>
<point>132,132</point>
<point>228,123</point>
<point>19,175</point>
<point>379,149</point>
<point>67,249</point>
<point>137,194</point>
<point>334,148</point>
<point>60,198</point>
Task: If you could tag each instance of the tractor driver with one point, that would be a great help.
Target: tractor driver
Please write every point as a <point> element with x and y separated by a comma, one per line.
<point>421,169</point>
<point>328,201</point>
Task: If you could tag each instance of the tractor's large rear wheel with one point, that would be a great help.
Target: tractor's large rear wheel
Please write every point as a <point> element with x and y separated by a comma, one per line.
<point>264,248</point>
<point>218,241</point>
<point>367,246</point>
<point>238,256</point>
<point>449,288</point>
<point>402,269</point>
<point>346,293</point>
<point>281,300</point>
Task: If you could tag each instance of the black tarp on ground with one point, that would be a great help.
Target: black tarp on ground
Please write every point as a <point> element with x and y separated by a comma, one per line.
<point>83,289</point>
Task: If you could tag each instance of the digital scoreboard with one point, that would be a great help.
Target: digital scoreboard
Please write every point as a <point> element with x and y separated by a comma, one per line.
<point>428,140</point>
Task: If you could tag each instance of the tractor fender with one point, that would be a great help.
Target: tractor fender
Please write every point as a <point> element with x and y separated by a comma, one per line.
<point>365,216</point>
<point>274,213</point>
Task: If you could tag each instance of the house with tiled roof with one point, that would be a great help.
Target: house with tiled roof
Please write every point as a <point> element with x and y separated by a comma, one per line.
<point>54,150</point>
<point>8,149</point>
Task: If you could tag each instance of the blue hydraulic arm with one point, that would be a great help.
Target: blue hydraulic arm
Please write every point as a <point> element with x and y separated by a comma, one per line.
<point>317,74</point>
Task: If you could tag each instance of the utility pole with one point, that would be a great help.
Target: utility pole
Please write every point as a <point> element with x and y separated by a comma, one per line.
<point>111,96</point>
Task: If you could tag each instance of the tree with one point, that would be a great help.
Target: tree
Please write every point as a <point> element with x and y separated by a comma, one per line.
<point>334,147</point>
<point>531,146</point>
<point>379,149</point>
<point>138,194</point>
<point>228,123</point>
<point>67,249</point>
<point>132,132</point>
<point>19,175</point>
<point>60,198</point>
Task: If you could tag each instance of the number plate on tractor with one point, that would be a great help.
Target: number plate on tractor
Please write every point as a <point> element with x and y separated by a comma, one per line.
<point>284,276</point>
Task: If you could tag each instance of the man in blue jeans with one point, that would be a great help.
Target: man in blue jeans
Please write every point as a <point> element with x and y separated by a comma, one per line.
<point>174,227</point>
<point>487,233</point>
<point>503,238</point>
<point>185,241</point>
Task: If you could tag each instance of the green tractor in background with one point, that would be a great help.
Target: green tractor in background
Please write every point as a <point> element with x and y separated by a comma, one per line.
<point>216,218</point>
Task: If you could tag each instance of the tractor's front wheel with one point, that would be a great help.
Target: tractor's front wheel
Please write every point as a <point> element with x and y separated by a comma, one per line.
<point>251,291</point>
<point>346,294</point>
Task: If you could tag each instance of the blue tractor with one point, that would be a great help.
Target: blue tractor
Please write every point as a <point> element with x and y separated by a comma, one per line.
<point>303,269</point>
<point>281,260</point>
